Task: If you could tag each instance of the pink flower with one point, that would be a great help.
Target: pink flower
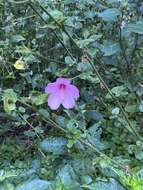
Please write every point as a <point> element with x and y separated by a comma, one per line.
<point>61,92</point>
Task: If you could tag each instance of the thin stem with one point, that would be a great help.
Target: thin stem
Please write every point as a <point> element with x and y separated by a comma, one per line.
<point>58,38</point>
<point>54,124</point>
<point>30,126</point>
<point>129,127</point>
<point>136,38</point>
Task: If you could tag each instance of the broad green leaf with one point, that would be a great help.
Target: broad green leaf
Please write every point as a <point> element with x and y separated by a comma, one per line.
<point>82,67</point>
<point>69,61</point>
<point>135,27</point>
<point>110,48</point>
<point>57,15</point>
<point>118,91</point>
<point>68,178</point>
<point>131,108</point>
<point>110,14</point>
<point>139,154</point>
<point>55,145</point>
<point>94,115</point>
<point>36,184</point>
<point>9,100</point>
<point>112,184</point>
<point>44,113</point>
<point>86,179</point>
<point>84,43</point>
<point>38,98</point>
<point>17,38</point>
<point>94,136</point>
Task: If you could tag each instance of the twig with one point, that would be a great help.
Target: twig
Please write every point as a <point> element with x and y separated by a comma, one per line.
<point>54,124</point>
<point>129,127</point>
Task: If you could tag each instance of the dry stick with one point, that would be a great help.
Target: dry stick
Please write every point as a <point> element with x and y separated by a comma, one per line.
<point>129,127</point>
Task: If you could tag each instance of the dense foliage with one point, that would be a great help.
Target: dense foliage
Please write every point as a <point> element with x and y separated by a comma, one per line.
<point>97,44</point>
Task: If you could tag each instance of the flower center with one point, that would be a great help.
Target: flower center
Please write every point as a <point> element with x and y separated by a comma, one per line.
<point>62,86</point>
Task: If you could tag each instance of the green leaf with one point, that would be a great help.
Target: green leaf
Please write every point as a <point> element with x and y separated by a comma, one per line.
<point>55,145</point>
<point>69,61</point>
<point>118,91</point>
<point>94,136</point>
<point>94,115</point>
<point>131,108</point>
<point>9,100</point>
<point>85,42</point>
<point>36,184</point>
<point>4,44</point>
<point>17,38</point>
<point>6,186</point>
<point>38,98</point>
<point>82,67</point>
<point>110,48</point>
<point>44,113</point>
<point>112,184</point>
<point>135,27</point>
<point>57,15</point>
<point>68,178</point>
<point>110,14</point>
<point>141,106</point>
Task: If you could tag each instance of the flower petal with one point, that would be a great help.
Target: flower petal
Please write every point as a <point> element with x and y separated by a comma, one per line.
<point>61,94</point>
<point>54,101</point>
<point>51,88</point>
<point>68,102</point>
<point>73,91</point>
<point>63,81</point>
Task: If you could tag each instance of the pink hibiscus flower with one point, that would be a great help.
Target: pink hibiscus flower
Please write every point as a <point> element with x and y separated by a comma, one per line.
<point>61,92</point>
